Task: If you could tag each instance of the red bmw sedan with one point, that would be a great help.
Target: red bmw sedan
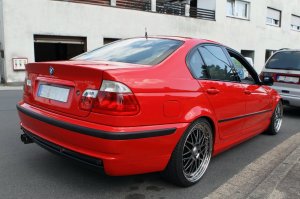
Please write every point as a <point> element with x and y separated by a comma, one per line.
<point>156,104</point>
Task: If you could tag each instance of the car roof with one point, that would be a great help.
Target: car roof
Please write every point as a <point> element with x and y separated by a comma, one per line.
<point>287,50</point>
<point>182,38</point>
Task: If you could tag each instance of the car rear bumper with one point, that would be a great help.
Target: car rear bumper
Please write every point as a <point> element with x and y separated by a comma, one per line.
<point>120,150</point>
<point>288,99</point>
<point>58,150</point>
<point>291,100</point>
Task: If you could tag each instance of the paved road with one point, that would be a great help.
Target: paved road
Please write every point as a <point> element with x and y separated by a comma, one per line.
<point>28,171</point>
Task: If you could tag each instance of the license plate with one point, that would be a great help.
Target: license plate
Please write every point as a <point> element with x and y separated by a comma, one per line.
<point>54,92</point>
<point>288,79</point>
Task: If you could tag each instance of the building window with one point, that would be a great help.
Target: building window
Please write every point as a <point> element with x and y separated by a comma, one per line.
<point>202,9</point>
<point>273,17</point>
<point>109,40</point>
<point>295,23</point>
<point>237,8</point>
<point>249,56</point>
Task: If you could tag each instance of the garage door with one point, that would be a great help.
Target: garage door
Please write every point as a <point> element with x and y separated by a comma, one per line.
<point>56,48</point>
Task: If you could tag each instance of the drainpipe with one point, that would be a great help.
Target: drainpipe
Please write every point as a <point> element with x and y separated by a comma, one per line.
<point>187,8</point>
<point>113,3</point>
<point>153,5</point>
<point>2,65</point>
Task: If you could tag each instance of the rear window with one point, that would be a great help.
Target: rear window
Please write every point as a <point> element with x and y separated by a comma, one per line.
<point>288,60</point>
<point>144,51</point>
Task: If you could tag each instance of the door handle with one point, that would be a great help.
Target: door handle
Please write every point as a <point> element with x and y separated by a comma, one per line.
<point>213,91</point>
<point>247,92</point>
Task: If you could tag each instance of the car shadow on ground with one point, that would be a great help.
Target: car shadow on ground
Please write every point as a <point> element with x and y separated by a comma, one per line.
<point>91,182</point>
<point>291,111</point>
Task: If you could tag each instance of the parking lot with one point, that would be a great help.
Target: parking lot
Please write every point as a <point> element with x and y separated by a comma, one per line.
<point>28,171</point>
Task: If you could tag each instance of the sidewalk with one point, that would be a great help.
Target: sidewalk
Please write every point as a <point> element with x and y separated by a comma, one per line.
<point>10,87</point>
<point>275,175</point>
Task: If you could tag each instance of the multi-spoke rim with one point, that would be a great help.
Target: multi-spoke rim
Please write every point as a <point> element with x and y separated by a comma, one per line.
<point>197,152</point>
<point>278,114</point>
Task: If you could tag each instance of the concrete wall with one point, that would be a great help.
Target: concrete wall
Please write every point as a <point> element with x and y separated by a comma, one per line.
<point>24,18</point>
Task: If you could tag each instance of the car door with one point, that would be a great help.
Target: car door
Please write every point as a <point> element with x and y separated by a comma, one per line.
<point>258,102</point>
<point>211,67</point>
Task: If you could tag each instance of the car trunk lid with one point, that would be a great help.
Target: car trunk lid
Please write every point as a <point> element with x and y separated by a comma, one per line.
<point>58,86</point>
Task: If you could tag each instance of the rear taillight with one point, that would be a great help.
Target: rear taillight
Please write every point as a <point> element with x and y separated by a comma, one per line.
<point>27,84</point>
<point>113,98</point>
<point>87,99</point>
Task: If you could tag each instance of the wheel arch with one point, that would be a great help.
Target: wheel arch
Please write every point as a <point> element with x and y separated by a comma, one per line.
<point>213,126</point>
<point>171,171</point>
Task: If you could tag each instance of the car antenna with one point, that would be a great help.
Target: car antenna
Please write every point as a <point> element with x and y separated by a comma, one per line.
<point>146,34</point>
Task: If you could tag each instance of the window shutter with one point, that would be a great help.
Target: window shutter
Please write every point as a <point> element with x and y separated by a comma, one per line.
<point>295,20</point>
<point>274,14</point>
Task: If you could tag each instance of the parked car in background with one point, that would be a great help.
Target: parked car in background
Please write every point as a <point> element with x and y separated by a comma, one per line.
<point>284,67</point>
<point>150,104</point>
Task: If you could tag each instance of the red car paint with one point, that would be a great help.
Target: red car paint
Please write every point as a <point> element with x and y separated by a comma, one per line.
<point>168,96</point>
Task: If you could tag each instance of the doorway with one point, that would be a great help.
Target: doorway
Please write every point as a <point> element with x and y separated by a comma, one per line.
<point>57,48</point>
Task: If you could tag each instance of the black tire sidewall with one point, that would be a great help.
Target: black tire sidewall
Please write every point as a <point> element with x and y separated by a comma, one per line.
<point>176,158</point>
<point>271,130</point>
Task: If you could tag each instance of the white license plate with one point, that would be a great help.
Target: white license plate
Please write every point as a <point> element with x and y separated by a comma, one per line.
<point>288,79</point>
<point>54,92</point>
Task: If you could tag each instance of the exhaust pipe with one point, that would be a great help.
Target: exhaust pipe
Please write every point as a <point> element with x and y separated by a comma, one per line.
<point>26,139</point>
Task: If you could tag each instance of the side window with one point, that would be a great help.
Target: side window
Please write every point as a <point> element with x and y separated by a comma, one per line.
<point>217,63</point>
<point>241,70</point>
<point>197,66</point>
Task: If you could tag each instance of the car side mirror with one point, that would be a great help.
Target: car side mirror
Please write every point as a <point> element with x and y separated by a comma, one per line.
<point>267,81</point>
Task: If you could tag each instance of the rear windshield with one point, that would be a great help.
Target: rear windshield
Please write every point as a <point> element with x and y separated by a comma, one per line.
<point>288,60</point>
<point>143,51</point>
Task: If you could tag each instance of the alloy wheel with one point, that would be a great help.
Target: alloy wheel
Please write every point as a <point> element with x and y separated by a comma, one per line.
<point>196,153</point>
<point>278,117</point>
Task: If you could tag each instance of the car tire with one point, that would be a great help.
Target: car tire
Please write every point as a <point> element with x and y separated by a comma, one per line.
<point>276,120</point>
<point>191,155</point>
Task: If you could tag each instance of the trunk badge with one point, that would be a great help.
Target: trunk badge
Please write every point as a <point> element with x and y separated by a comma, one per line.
<point>51,70</point>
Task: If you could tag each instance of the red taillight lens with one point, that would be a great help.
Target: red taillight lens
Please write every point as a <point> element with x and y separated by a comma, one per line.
<point>116,103</point>
<point>114,98</point>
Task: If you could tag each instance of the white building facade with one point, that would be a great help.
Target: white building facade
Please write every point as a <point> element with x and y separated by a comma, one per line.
<point>41,30</point>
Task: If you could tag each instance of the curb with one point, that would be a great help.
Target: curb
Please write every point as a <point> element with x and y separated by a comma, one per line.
<point>11,88</point>
<point>267,189</point>
<point>260,178</point>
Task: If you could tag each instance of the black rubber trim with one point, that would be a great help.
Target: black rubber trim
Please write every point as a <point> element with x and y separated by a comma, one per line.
<point>243,116</point>
<point>95,132</point>
<point>58,150</point>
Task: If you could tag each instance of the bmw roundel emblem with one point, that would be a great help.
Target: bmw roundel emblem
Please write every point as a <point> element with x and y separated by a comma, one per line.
<point>51,70</point>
